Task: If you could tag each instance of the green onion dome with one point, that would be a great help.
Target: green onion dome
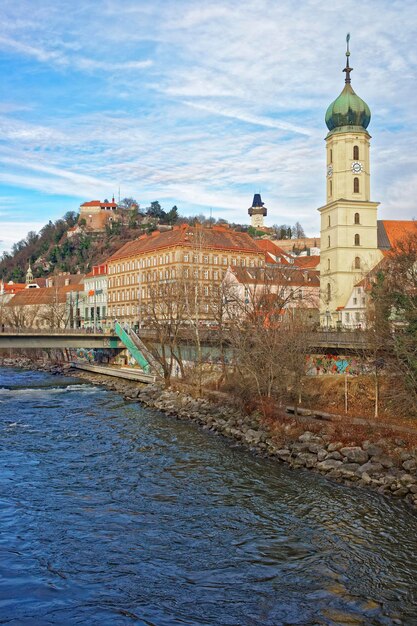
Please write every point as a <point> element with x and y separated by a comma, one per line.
<point>348,110</point>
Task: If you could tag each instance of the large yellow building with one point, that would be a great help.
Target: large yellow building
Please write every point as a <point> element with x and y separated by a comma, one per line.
<point>349,245</point>
<point>143,270</point>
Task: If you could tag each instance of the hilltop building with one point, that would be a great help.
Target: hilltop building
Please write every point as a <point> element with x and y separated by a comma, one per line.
<point>257,211</point>
<point>98,215</point>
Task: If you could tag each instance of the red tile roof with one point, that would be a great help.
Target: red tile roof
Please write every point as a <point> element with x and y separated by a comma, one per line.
<point>398,230</point>
<point>13,287</point>
<point>307,261</point>
<point>98,203</point>
<point>216,238</point>
<point>276,275</point>
<point>43,295</point>
<point>273,253</point>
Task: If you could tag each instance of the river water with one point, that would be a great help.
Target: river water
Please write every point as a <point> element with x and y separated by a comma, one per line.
<point>112,514</point>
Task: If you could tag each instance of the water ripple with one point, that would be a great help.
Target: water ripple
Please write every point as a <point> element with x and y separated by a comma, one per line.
<point>114,514</point>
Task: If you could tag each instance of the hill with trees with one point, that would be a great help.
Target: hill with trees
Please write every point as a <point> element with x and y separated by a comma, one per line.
<point>52,250</point>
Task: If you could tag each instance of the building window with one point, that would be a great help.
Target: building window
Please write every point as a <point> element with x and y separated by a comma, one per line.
<point>329,292</point>
<point>205,259</point>
<point>355,153</point>
<point>328,222</point>
<point>330,188</point>
<point>357,218</point>
<point>224,260</point>
<point>356,185</point>
<point>328,241</point>
<point>331,155</point>
<point>216,260</point>
<point>328,265</point>
<point>185,258</point>
<point>216,275</point>
<point>355,301</point>
<point>206,274</point>
<point>206,291</point>
<point>357,240</point>
<point>347,318</point>
<point>357,263</point>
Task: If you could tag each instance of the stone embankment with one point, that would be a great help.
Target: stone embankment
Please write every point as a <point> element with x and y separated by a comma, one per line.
<point>366,465</point>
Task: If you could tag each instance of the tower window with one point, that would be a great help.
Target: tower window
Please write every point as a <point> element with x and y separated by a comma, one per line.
<point>355,153</point>
<point>329,292</point>
<point>357,263</point>
<point>328,265</point>
<point>357,240</point>
<point>331,155</point>
<point>356,185</point>
<point>357,220</point>
<point>328,222</point>
<point>330,188</point>
<point>328,241</point>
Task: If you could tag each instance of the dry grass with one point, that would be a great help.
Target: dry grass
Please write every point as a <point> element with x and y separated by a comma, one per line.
<point>328,393</point>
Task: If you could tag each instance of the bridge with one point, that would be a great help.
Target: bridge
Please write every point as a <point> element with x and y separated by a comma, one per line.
<point>80,338</point>
<point>57,338</point>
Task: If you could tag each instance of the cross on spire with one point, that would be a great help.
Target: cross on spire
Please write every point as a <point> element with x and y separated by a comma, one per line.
<point>347,69</point>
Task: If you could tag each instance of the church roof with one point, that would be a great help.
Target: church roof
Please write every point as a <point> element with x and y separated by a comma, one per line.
<point>391,232</point>
<point>348,111</point>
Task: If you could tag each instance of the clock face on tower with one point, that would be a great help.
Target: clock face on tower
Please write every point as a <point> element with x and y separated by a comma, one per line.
<point>330,170</point>
<point>357,167</point>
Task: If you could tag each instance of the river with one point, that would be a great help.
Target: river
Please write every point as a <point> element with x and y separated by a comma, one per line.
<point>112,514</point>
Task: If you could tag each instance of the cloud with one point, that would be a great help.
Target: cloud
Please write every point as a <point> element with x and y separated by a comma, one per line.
<point>13,231</point>
<point>201,104</point>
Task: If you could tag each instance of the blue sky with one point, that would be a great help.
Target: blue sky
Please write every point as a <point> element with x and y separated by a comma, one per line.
<point>198,104</point>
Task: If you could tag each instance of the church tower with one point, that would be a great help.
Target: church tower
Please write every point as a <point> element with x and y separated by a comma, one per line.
<point>29,275</point>
<point>257,211</point>
<point>348,227</point>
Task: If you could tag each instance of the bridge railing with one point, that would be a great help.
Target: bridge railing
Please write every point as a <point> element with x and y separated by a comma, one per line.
<point>319,338</point>
<point>8,330</point>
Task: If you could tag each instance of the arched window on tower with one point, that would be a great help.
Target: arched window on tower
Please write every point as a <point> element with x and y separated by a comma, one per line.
<point>330,188</point>
<point>357,218</point>
<point>355,153</point>
<point>328,241</point>
<point>328,265</point>
<point>331,155</point>
<point>357,263</point>
<point>328,222</point>
<point>357,240</point>
<point>329,292</point>
<point>356,185</point>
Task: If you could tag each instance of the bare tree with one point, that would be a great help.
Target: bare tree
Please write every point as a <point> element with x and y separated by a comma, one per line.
<point>268,333</point>
<point>392,321</point>
<point>165,314</point>
<point>20,316</point>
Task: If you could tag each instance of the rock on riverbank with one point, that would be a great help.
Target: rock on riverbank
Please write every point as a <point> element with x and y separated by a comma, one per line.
<point>366,465</point>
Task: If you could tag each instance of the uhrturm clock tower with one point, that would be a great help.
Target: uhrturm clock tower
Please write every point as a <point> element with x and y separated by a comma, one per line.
<point>349,218</point>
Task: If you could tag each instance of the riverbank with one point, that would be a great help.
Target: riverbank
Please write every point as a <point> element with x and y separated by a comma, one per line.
<point>333,450</point>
